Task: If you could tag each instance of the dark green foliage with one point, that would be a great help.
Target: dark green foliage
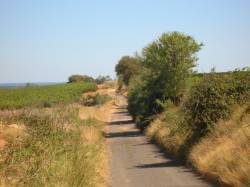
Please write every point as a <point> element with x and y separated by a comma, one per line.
<point>43,96</point>
<point>102,79</point>
<point>47,104</point>
<point>170,60</point>
<point>127,68</point>
<point>213,98</point>
<point>167,65</point>
<point>137,98</point>
<point>80,78</point>
<point>142,101</point>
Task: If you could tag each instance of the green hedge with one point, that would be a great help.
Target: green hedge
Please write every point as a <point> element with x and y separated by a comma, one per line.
<point>213,98</point>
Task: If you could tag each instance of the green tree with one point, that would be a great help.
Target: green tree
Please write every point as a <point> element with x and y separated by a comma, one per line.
<point>101,79</point>
<point>171,59</point>
<point>126,68</point>
<point>167,63</point>
<point>80,78</point>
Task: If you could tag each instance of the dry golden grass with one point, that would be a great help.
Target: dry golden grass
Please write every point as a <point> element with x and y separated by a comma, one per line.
<point>120,102</point>
<point>225,153</point>
<point>166,130</point>
<point>167,137</point>
<point>108,88</point>
<point>9,133</point>
<point>92,135</point>
<point>101,113</point>
<point>83,162</point>
<point>86,164</point>
<point>108,85</point>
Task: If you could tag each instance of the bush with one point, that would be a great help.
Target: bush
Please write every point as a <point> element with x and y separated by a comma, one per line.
<point>102,79</point>
<point>95,99</point>
<point>141,101</point>
<point>212,99</point>
<point>80,78</point>
<point>222,154</point>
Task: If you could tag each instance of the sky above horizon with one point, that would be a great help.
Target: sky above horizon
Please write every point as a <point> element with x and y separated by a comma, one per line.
<point>47,41</point>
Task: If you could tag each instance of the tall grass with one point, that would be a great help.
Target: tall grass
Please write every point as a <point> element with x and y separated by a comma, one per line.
<point>43,96</point>
<point>55,146</point>
<point>226,156</point>
<point>170,131</point>
<point>55,151</point>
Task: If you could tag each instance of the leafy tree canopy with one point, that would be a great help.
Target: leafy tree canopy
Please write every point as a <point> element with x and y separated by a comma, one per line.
<point>167,63</point>
<point>101,79</point>
<point>126,68</point>
<point>80,78</point>
<point>170,60</point>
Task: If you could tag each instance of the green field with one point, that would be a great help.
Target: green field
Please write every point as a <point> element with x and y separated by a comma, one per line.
<point>43,96</point>
<point>49,146</point>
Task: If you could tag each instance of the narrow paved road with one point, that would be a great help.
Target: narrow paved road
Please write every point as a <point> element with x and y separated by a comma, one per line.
<point>135,162</point>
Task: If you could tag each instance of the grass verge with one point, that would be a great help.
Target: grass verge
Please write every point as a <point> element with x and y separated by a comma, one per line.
<point>222,155</point>
<point>56,151</point>
<point>51,146</point>
<point>211,129</point>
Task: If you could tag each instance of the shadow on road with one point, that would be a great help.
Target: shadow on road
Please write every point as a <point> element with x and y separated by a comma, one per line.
<point>125,122</point>
<point>170,163</point>
<point>123,134</point>
<point>122,112</point>
<point>121,107</point>
<point>141,156</point>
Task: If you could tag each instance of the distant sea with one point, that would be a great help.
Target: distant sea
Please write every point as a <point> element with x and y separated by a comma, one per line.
<point>20,85</point>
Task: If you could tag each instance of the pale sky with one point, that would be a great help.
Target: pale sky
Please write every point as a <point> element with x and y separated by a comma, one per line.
<point>47,41</point>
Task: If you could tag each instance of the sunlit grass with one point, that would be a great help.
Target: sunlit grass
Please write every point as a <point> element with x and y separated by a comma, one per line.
<point>54,147</point>
<point>43,96</point>
<point>58,149</point>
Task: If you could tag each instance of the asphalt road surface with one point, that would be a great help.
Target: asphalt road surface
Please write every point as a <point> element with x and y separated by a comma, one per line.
<point>135,162</point>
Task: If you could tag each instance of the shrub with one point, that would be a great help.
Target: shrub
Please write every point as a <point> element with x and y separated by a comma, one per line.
<point>222,154</point>
<point>102,79</point>
<point>95,99</point>
<point>212,99</point>
<point>80,78</point>
<point>46,104</point>
<point>141,101</point>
